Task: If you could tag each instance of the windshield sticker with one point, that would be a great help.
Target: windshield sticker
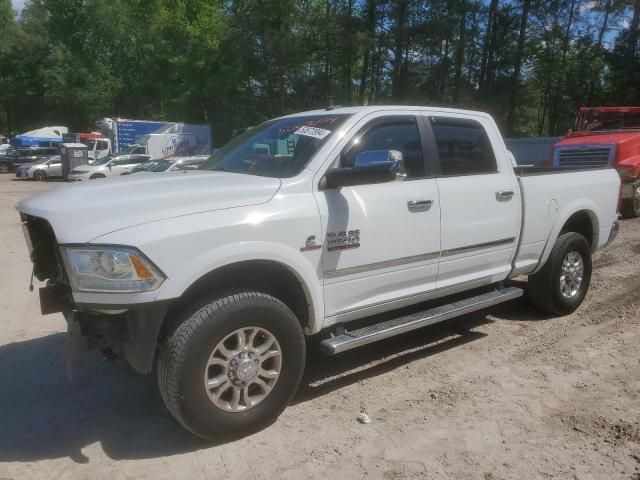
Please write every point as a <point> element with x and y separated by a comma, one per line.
<point>314,132</point>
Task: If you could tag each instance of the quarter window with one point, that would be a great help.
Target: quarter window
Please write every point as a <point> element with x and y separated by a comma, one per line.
<point>463,146</point>
<point>390,134</point>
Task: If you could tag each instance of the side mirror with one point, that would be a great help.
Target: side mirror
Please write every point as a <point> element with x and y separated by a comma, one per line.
<point>372,166</point>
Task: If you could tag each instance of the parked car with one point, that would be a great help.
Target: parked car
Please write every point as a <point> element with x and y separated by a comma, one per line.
<point>604,137</point>
<point>16,156</point>
<point>42,169</point>
<point>291,230</point>
<point>177,163</point>
<point>142,167</point>
<point>106,167</point>
<point>167,165</point>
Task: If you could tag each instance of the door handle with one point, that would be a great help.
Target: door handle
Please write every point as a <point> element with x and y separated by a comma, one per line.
<point>419,205</point>
<point>505,194</point>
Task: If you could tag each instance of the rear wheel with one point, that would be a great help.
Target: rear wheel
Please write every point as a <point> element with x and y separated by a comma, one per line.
<point>631,206</point>
<point>232,366</point>
<point>561,285</point>
<point>39,175</point>
<point>4,168</point>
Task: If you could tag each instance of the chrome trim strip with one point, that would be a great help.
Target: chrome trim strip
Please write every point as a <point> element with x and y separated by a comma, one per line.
<point>379,265</point>
<point>478,246</point>
<point>345,316</point>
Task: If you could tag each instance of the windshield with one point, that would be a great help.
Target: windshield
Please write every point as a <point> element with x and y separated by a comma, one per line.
<point>144,166</point>
<point>605,121</point>
<point>277,148</point>
<point>160,166</point>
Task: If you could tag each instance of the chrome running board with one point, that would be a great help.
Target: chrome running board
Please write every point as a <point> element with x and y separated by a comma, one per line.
<point>396,326</point>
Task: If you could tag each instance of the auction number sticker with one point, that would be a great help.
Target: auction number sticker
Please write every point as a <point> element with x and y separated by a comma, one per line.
<point>312,132</point>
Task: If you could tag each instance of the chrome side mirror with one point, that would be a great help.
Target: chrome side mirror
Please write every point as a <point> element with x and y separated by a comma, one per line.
<point>391,159</point>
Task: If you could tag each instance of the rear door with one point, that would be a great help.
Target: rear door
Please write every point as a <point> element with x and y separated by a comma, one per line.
<point>479,201</point>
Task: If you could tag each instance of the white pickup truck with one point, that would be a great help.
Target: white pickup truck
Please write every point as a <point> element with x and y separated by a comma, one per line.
<point>324,223</point>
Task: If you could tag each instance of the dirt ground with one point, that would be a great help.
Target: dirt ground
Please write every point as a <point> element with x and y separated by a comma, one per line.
<point>504,394</point>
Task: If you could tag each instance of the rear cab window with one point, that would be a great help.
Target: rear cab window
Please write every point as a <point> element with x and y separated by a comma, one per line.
<point>463,147</point>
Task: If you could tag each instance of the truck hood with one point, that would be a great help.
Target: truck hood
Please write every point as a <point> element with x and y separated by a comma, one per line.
<point>81,212</point>
<point>584,138</point>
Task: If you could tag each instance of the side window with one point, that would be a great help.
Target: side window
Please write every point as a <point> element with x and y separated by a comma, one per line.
<point>395,133</point>
<point>463,146</point>
<point>138,150</point>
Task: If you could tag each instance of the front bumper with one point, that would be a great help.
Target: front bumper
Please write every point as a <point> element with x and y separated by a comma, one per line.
<point>628,190</point>
<point>77,178</point>
<point>128,330</point>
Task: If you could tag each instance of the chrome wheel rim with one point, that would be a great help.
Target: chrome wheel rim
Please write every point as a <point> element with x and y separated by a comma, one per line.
<point>571,274</point>
<point>243,369</point>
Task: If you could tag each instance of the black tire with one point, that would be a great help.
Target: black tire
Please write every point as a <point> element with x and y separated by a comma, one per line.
<point>97,175</point>
<point>631,206</point>
<point>4,168</point>
<point>544,286</point>
<point>183,359</point>
<point>40,176</point>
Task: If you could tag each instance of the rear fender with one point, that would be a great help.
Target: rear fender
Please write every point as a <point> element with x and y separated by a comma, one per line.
<point>571,209</point>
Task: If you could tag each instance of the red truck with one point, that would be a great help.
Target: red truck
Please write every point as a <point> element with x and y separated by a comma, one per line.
<point>606,136</point>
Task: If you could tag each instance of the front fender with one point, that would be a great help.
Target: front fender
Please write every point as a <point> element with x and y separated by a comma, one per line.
<point>200,265</point>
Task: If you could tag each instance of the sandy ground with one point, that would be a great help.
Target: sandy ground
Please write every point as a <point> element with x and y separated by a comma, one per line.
<point>504,394</point>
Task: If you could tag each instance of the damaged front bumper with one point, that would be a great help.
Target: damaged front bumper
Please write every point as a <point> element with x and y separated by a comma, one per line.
<point>128,330</point>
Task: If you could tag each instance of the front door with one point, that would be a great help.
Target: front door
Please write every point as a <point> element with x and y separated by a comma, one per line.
<point>381,241</point>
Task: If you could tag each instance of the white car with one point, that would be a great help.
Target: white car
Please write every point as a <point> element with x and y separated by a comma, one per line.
<point>167,165</point>
<point>42,169</point>
<point>343,225</point>
<point>175,164</point>
<point>106,167</point>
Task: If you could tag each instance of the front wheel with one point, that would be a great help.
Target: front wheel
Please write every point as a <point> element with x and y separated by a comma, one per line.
<point>40,176</point>
<point>232,366</point>
<point>631,206</point>
<point>561,285</point>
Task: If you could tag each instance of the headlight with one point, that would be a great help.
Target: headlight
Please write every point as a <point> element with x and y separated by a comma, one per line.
<point>110,269</point>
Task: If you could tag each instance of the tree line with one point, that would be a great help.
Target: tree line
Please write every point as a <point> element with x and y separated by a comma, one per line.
<point>531,63</point>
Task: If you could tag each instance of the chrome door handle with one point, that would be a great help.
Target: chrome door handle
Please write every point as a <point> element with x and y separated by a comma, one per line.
<point>419,205</point>
<point>505,194</point>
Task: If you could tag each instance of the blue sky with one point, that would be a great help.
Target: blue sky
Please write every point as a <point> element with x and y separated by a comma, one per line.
<point>18,4</point>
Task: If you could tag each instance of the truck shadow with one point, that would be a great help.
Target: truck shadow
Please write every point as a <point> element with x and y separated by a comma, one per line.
<point>46,415</point>
<point>327,374</point>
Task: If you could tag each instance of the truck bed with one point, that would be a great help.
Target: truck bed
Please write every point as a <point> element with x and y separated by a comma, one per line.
<point>548,195</point>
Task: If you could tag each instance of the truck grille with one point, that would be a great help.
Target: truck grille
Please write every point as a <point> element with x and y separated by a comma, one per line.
<point>585,156</point>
